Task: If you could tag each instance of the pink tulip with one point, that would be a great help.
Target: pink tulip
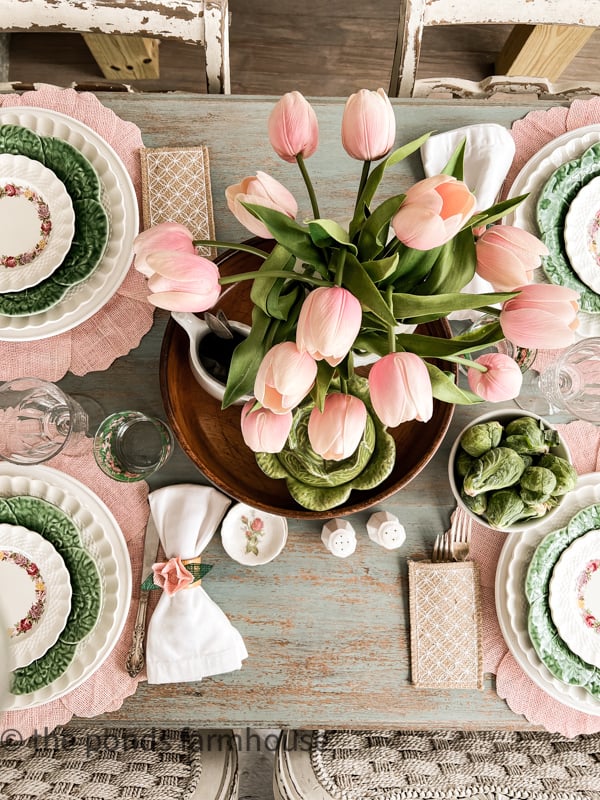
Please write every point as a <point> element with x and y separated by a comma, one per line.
<point>335,432</point>
<point>293,127</point>
<point>400,389</point>
<point>433,212</point>
<point>262,190</point>
<point>182,281</point>
<point>368,125</point>
<point>164,236</point>
<point>542,316</point>
<point>284,377</point>
<point>172,576</point>
<point>262,430</point>
<point>507,256</point>
<point>502,381</point>
<point>328,324</point>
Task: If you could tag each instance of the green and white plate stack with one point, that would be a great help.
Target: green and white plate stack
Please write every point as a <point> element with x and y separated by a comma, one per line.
<point>57,532</point>
<point>98,253</point>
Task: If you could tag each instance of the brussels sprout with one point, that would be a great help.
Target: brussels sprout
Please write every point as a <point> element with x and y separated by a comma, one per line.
<point>527,460</point>
<point>536,485</point>
<point>475,504</point>
<point>496,469</point>
<point>525,435</point>
<point>565,474</point>
<point>504,508</point>
<point>481,438</point>
<point>462,463</point>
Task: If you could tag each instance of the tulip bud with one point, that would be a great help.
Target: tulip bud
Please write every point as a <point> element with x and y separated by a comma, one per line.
<point>328,324</point>
<point>284,378</point>
<point>262,430</point>
<point>400,389</point>
<point>502,381</point>
<point>542,316</point>
<point>262,190</point>
<point>368,125</point>
<point>507,256</point>
<point>293,127</point>
<point>335,432</point>
<point>164,236</point>
<point>433,212</point>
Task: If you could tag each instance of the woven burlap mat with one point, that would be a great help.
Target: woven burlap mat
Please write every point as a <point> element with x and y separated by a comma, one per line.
<point>487,765</point>
<point>98,763</point>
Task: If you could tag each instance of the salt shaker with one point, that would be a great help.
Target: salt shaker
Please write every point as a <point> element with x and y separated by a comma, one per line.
<point>386,529</point>
<point>339,537</point>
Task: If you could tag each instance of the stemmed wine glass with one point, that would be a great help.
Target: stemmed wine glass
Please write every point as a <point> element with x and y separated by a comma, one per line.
<point>38,421</point>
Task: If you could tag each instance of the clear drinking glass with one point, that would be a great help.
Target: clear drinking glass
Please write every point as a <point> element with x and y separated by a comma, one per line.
<point>130,445</point>
<point>572,382</point>
<point>38,421</point>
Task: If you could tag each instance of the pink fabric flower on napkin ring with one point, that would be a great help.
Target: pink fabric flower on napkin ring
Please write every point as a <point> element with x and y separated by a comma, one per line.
<point>171,575</point>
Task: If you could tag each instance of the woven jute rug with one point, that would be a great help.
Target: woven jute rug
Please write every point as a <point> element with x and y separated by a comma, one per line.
<point>486,765</point>
<point>101,764</point>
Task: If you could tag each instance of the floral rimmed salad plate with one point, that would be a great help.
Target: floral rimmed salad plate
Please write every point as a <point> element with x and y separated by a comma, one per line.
<point>37,222</point>
<point>35,593</point>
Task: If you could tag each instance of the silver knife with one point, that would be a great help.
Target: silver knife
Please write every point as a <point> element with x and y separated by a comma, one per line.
<point>135,657</point>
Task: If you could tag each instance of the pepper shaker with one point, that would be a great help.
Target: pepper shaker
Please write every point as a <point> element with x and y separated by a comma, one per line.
<point>386,529</point>
<point>339,537</point>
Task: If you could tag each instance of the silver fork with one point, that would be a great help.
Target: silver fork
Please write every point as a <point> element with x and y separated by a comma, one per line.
<point>441,549</point>
<point>460,536</point>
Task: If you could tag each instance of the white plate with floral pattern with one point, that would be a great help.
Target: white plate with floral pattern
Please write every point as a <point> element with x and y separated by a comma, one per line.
<point>582,234</point>
<point>35,593</point>
<point>37,222</point>
<point>574,597</point>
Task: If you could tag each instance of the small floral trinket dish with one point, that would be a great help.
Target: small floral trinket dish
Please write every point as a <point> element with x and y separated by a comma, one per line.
<point>251,536</point>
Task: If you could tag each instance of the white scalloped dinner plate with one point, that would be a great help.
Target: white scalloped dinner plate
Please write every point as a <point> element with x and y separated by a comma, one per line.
<point>532,179</point>
<point>512,606</point>
<point>35,189</point>
<point>120,202</point>
<point>104,541</point>
<point>574,597</point>
<point>40,599</point>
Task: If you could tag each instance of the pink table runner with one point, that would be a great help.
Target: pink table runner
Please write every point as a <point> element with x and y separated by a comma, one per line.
<point>119,326</point>
<point>106,689</point>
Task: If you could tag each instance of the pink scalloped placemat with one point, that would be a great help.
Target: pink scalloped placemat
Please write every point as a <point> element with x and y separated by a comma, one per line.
<point>119,326</point>
<point>106,689</point>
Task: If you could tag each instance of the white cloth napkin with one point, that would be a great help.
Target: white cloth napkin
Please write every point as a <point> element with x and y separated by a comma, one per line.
<point>189,637</point>
<point>489,151</point>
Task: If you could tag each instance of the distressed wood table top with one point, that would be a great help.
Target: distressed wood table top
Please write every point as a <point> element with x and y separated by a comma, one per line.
<point>327,637</point>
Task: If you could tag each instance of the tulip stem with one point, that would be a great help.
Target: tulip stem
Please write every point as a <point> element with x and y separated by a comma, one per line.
<point>275,273</point>
<point>339,270</point>
<point>363,180</point>
<point>247,248</point>
<point>389,292</point>
<point>309,186</point>
<point>466,362</point>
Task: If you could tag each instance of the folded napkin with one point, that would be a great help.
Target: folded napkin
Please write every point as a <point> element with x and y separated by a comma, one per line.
<point>489,151</point>
<point>189,637</point>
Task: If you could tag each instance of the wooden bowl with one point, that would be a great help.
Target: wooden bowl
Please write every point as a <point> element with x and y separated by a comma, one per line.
<point>211,436</point>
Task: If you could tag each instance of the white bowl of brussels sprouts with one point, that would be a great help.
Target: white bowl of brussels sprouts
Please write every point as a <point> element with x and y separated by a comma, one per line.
<point>510,470</point>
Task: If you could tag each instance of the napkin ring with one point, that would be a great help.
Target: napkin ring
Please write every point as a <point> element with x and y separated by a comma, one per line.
<point>176,574</point>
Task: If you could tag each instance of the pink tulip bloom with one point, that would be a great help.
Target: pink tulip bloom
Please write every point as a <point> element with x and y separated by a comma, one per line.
<point>284,378</point>
<point>335,432</point>
<point>172,576</point>
<point>433,212</point>
<point>328,324</point>
<point>502,381</point>
<point>507,256</point>
<point>262,430</point>
<point>368,125</point>
<point>293,127</point>
<point>182,281</point>
<point>262,190</point>
<point>542,316</point>
<point>400,389</point>
<point>164,236</point>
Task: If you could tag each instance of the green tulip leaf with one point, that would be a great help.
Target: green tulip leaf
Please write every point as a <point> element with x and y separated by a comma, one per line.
<point>455,165</point>
<point>496,212</point>
<point>328,233</point>
<point>445,389</point>
<point>357,281</point>
<point>381,268</point>
<point>246,359</point>
<point>322,383</point>
<point>413,267</point>
<point>373,236</point>
<point>278,259</point>
<point>436,347</point>
<point>280,300</point>
<point>408,306</point>
<point>290,234</point>
<point>453,268</point>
